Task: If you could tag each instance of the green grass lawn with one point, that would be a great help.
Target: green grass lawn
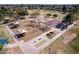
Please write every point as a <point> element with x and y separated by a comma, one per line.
<point>3,35</point>
<point>1,32</point>
<point>75,43</point>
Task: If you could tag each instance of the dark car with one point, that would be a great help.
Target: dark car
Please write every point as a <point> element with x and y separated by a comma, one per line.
<point>19,35</point>
<point>60,25</point>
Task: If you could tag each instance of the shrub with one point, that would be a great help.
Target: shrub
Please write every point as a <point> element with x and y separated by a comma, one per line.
<point>55,15</point>
<point>48,14</point>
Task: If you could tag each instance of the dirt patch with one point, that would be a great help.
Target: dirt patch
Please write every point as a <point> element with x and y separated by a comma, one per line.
<point>14,50</point>
<point>69,38</point>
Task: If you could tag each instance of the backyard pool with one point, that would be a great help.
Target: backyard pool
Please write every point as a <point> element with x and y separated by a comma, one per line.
<point>3,41</point>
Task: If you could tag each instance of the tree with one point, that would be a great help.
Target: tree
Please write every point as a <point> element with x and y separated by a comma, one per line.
<point>1,47</point>
<point>75,11</point>
<point>23,13</point>
<point>68,19</point>
<point>48,15</point>
<point>55,15</point>
<point>64,8</point>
